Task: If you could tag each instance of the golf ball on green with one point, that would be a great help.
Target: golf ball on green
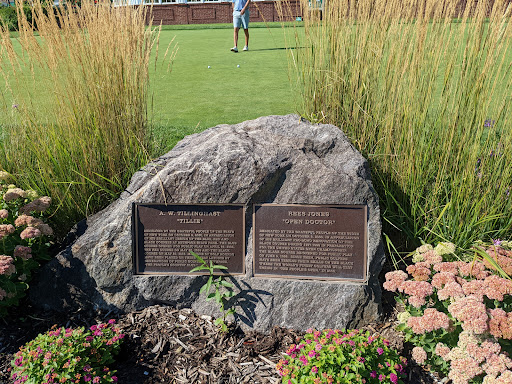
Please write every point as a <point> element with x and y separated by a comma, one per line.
<point>238,66</point>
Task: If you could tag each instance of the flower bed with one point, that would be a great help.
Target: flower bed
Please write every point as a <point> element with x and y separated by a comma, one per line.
<point>457,313</point>
<point>23,240</point>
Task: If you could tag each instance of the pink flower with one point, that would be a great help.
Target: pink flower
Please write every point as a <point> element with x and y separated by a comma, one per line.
<point>303,359</point>
<point>312,353</point>
<point>420,289</point>
<point>419,272</point>
<point>38,205</point>
<point>27,220</point>
<point>497,287</point>
<point>464,369</point>
<point>451,290</point>
<point>416,301</point>
<point>471,312</point>
<point>314,369</point>
<point>394,279</point>
<point>500,323</point>
<point>419,355</point>
<point>6,265</point>
<point>30,233</point>
<point>451,267</point>
<point>380,351</point>
<point>431,258</point>
<point>4,213</point>
<point>442,350</point>
<point>13,194</point>
<point>442,278</point>
<point>475,287</point>
<point>3,294</point>
<point>5,230</point>
<point>476,269</point>
<point>23,252</point>
<point>393,378</point>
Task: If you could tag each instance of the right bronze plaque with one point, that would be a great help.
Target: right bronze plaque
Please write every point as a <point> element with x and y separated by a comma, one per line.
<point>323,242</point>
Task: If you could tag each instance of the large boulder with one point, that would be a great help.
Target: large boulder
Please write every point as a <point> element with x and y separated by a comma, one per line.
<point>275,159</point>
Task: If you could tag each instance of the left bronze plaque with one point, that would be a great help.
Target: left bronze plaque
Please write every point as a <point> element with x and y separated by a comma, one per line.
<point>164,235</point>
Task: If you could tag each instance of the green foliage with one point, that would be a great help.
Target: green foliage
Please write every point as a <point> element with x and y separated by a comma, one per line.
<point>9,16</point>
<point>222,290</point>
<point>23,241</point>
<point>69,355</point>
<point>426,100</point>
<point>457,313</point>
<point>334,356</point>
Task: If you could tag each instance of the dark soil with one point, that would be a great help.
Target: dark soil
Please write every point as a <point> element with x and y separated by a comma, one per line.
<point>166,345</point>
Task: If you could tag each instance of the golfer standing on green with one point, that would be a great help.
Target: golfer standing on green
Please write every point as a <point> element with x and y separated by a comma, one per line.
<point>241,18</point>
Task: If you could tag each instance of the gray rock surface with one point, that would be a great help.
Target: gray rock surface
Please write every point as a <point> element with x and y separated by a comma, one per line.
<point>275,159</point>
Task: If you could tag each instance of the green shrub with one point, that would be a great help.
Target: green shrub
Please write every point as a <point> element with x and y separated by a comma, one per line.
<point>9,16</point>
<point>69,355</point>
<point>426,98</point>
<point>23,240</point>
<point>333,356</point>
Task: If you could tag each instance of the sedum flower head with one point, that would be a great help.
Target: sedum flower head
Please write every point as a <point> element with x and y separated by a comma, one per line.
<point>14,193</point>
<point>419,355</point>
<point>445,248</point>
<point>403,317</point>
<point>4,176</point>
<point>6,265</point>
<point>30,233</point>
<point>31,194</point>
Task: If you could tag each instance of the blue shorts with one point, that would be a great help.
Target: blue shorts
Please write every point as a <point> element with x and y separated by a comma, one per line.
<point>241,20</point>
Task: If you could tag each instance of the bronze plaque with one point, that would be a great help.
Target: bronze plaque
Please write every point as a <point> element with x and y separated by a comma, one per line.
<point>164,235</point>
<point>325,242</point>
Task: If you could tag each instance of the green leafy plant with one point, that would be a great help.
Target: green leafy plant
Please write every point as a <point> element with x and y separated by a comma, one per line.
<point>23,239</point>
<point>69,355</point>
<point>222,290</point>
<point>458,314</point>
<point>339,356</point>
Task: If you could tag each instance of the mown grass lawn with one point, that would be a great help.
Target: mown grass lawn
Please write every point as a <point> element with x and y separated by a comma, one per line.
<point>193,97</point>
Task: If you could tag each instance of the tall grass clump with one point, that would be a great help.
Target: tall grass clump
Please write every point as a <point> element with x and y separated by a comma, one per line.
<point>423,89</point>
<point>83,143</point>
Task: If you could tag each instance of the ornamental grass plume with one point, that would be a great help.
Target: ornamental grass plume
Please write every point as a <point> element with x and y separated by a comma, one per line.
<point>407,82</point>
<point>91,134</point>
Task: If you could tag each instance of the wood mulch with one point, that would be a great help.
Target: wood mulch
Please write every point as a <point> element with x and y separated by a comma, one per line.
<point>166,345</point>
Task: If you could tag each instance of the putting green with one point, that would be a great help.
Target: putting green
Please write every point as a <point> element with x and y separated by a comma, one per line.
<point>193,95</point>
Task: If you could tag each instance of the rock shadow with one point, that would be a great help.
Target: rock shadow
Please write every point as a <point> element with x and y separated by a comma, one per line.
<point>246,301</point>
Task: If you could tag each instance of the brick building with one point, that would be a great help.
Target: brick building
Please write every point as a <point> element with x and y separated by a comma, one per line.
<point>169,12</point>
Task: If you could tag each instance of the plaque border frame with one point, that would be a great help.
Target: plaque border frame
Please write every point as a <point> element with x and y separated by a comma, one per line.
<point>135,239</point>
<point>365,278</point>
